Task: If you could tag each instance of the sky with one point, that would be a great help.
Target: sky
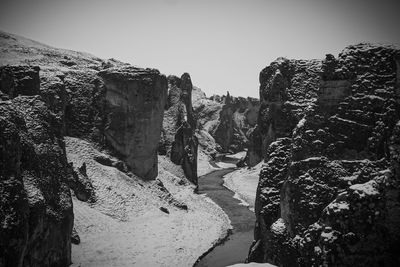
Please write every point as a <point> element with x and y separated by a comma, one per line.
<point>222,44</point>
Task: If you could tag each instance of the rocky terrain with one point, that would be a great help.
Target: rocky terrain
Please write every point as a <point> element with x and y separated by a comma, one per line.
<point>49,96</point>
<point>225,123</point>
<point>178,138</point>
<point>100,153</point>
<point>36,207</point>
<point>328,193</point>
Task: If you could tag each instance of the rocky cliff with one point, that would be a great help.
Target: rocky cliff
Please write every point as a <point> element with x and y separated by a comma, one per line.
<point>225,123</point>
<point>36,208</point>
<point>329,191</point>
<point>135,100</point>
<point>112,104</point>
<point>116,105</point>
<point>179,126</point>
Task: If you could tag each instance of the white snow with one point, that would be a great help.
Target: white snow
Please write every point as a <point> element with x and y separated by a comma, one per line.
<point>328,237</point>
<point>252,264</point>
<point>278,226</point>
<point>238,155</point>
<point>244,183</point>
<point>366,189</point>
<point>301,123</point>
<point>125,226</point>
<point>203,164</point>
<point>225,165</point>
<point>337,207</point>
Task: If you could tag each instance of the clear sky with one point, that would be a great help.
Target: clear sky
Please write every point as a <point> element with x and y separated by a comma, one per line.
<point>222,44</point>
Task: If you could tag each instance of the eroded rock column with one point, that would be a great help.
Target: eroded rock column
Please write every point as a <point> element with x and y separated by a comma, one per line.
<point>135,99</point>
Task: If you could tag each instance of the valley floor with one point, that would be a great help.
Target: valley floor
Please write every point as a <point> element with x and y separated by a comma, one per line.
<point>244,183</point>
<point>125,225</point>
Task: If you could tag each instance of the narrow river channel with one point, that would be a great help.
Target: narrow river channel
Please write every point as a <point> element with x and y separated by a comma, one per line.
<point>235,248</point>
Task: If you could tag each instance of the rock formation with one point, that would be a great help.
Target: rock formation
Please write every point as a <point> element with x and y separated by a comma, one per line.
<point>178,139</point>
<point>135,100</point>
<point>19,80</point>
<point>118,107</point>
<point>226,121</point>
<point>36,207</point>
<point>328,193</point>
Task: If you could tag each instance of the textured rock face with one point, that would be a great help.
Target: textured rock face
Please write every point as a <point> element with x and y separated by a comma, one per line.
<point>135,100</point>
<point>398,75</point>
<point>178,139</point>
<point>36,208</point>
<point>120,107</point>
<point>284,98</point>
<point>236,118</point>
<point>329,191</point>
<point>225,121</point>
<point>84,93</point>
<point>19,80</point>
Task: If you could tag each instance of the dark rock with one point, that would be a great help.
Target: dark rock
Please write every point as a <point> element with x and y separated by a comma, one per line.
<point>165,210</point>
<point>81,184</point>
<point>241,163</point>
<point>103,160</point>
<point>237,116</point>
<point>86,111</point>
<point>328,192</point>
<point>68,63</point>
<point>75,239</point>
<point>179,139</point>
<point>36,206</point>
<point>184,151</point>
<point>19,80</point>
<point>254,148</point>
<point>134,117</point>
<point>166,195</point>
<point>225,123</point>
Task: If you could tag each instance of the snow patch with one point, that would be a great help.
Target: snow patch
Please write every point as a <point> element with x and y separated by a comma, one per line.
<point>366,189</point>
<point>337,207</point>
<point>278,226</point>
<point>243,182</point>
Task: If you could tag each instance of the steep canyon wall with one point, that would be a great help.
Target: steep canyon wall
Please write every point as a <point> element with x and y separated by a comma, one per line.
<point>46,94</point>
<point>329,191</point>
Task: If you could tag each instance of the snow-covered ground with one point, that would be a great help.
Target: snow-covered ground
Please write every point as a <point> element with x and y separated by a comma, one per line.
<point>244,183</point>
<point>232,157</point>
<point>126,227</point>
<point>203,164</point>
<point>252,264</point>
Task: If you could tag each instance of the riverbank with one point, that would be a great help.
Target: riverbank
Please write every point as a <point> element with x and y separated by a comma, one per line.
<point>234,248</point>
<point>133,222</point>
<point>244,182</point>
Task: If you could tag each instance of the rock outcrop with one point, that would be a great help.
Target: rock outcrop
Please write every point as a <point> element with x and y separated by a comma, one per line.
<point>225,121</point>
<point>112,104</point>
<point>329,190</point>
<point>36,208</point>
<point>178,139</point>
<point>19,80</point>
<point>135,100</point>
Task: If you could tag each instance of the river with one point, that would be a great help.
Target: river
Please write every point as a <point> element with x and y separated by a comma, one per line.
<point>236,246</point>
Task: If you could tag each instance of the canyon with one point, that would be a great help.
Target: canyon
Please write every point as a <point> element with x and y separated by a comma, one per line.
<point>107,164</point>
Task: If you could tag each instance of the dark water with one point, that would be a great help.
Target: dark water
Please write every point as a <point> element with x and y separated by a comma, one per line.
<point>236,247</point>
